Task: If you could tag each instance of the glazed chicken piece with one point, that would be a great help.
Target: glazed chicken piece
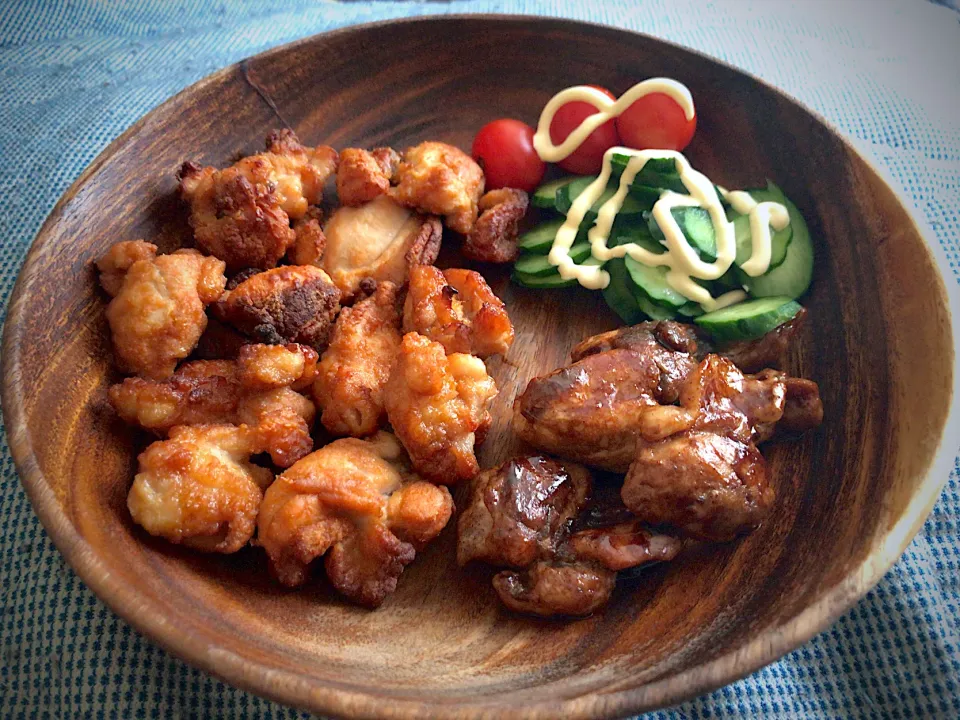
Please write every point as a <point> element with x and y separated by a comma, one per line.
<point>157,313</point>
<point>494,236</point>
<point>364,176</point>
<point>439,179</point>
<point>521,515</point>
<point>355,502</point>
<point>257,389</point>
<point>242,214</point>
<point>457,309</point>
<point>309,242</point>
<point>355,368</point>
<point>437,406</point>
<point>293,303</point>
<point>379,240</point>
<point>198,487</point>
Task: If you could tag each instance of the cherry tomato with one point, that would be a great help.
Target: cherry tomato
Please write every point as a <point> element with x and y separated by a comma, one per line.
<point>656,122</point>
<point>504,149</point>
<point>588,158</point>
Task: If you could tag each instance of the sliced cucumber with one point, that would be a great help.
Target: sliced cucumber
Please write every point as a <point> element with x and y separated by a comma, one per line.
<point>651,309</point>
<point>697,228</point>
<point>750,319</point>
<point>658,173</point>
<point>792,278</point>
<point>691,309</point>
<point>569,192</point>
<point>540,238</point>
<point>619,295</point>
<point>652,282</point>
<point>540,265</point>
<point>552,280</point>
<point>545,196</point>
<point>634,233</point>
<point>779,239</point>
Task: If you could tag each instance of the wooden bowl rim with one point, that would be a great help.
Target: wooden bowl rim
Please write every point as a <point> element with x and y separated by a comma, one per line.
<point>290,688</point>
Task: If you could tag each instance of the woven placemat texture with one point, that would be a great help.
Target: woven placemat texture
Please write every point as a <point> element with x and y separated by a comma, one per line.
<point>74,75</point>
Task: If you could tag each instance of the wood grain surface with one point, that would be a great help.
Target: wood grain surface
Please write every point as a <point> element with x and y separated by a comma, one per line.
<point>850,496</point>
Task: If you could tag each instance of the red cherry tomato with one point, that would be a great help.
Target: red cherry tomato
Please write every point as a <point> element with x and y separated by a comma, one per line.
<point>504,149</point>
<point>588,158</point>
<point>656,122</point>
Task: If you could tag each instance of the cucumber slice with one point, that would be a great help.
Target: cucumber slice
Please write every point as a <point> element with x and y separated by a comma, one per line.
<point>658,173</point>
<point>792,278</point>
<point>691,310</point>
<point>619,295</point>
<point>697,228</point>
<point>634,233</point>
<point>569,192</point>
<point>651,309</point>
<point>779,239</point>
<point>553,280</point>
<point>545,196</point>
<point>540,238</point>
<point>750,319</point>
<point>540,265</point>
<point>652,282</point>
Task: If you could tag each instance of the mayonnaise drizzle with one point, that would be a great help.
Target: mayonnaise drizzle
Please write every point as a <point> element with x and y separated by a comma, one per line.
<point>685,265</point>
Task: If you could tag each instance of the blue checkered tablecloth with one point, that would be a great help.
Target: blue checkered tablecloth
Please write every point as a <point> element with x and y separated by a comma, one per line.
<point>73,75</point>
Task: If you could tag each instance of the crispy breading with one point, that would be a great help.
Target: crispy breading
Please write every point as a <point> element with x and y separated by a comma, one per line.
<point>310,241</point>
<point>242,214</point>
<point>360,178</point>
<point>437,406</point>
<point>494,235</point>
<point>356,366</point>
<point>158,312</point>
<point>293,303</point>
<point>355,502</point>
<point>379,240</point>
<point>113,266</point>
<point>255,390</point>
<point>199,488</point>
<point>457,309</point>
<point>439,179</point>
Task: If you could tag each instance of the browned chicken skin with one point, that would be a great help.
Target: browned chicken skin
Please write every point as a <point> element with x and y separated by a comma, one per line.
<point>355,502</point>
<point>257,389</point>
<point>437,405</point>
<point>439,179</point>
<point>494,235</point>
<point>157,314</point>
<point>520,515</point>
<point>363,176</point>
<point>355,368</point>
<point>293,303</point>
<point>457,309</point>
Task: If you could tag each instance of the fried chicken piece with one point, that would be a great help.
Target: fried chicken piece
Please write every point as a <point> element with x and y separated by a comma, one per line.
<point>364,176</point>
<point>768,351</point>
<point>457,309</point>
<point>379,240</point>
<point>437,406</point>
<point>802,407</point>
<point>309,240</point>
<point>158,311</point>
<point>518,511</point>
<point>199,488</point>
<point>622,546</point>
<point>242,214</point>
<point>494,236</point>
<point>293,303</point>
<point>356,366</point>
<point>439,179</point>
<point>549,588</point>
<point>355,499</point>
<point>255,390</point>
<point>219,342</point>
<point>113,266</point>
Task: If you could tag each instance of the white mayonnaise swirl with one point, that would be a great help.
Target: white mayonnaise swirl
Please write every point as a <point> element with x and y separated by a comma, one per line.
<point>685,265</point>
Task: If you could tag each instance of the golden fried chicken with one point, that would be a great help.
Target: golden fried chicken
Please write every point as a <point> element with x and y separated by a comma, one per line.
<point>363,176</point>
<point>293,303</point>
<point>437,405</point>
<point>157,313</point>
<point>355,502</point>
<point>457,309</point>
<point>379,240</point>
<point>257,390</point>
<point>535,516</point>
<point>309,240</point>
<point>242,214</point>
<point>199,488</point>
<point>439,179</point>
<point>356,366</point>
<point>494,236</point>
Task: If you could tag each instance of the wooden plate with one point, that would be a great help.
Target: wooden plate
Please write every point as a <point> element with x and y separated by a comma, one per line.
<point>850,496</point>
